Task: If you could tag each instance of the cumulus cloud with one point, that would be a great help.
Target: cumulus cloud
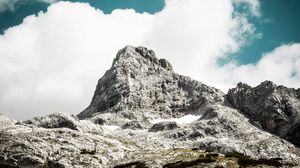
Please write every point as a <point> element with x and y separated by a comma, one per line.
<point>11,5</point>
<point>51,62</point>
<point>253,6</point>
<point>282,66</point>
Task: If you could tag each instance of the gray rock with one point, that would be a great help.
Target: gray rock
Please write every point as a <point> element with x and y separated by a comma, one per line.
<point>275,108</point>
<point>5,122</point>
<point>163,126</point>
<point>99,120</point>
<point>55,120</point>
<point>138,81</point>
<point>134,125</point>
<point>165,64</point>
<point>293,134</point>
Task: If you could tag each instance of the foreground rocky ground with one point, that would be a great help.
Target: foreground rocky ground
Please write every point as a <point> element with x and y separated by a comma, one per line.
<point>143,114</point>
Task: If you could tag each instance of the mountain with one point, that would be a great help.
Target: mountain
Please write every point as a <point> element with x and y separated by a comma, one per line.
<point>143,114</point>
<point>275,109</point>
<point>138,81</point>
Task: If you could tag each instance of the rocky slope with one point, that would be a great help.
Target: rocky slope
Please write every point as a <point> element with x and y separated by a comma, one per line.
<point>138,80</point>
<point>273,108</point>
<point>143,114</point>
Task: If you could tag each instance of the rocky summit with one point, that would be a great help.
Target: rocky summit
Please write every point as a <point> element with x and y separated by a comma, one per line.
<point>143,114</point>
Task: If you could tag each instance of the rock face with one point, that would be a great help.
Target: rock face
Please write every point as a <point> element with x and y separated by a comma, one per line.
<point>56,120</point>
<point>274,108</point>
<point>143,114</point>
<point>138,80</point>
<point>5,122</point>
<point>132,125</point>
<point>162,126</point>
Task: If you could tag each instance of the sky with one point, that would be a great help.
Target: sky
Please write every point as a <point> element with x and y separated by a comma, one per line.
<point>53,52</point>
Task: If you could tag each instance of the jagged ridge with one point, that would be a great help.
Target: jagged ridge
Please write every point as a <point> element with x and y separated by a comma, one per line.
<point>138,80</point>
<point>274,108</point>
<point>195,124</point>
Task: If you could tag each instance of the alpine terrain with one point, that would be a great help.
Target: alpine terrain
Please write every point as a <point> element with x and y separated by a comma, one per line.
<point>143,114</point>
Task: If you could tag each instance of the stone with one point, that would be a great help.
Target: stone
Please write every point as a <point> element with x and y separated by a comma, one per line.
<point>162,126</point>
<point>99,120</point>
<point>5,122</point>
<point>165,64</point>
<point>55,120</point>
<point>293,134</point>
<point>134,125</point>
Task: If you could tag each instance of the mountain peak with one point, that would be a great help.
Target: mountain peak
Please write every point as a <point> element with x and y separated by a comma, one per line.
<point>138,79</point>
<point>143,114</point>
<point>132,55</point>
<point>274,108</point>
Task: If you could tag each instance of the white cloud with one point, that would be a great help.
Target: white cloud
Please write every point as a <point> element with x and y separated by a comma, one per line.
<point>51,62</point>
<point>282,66</point>
<point>11,5</point>
<point>253,6</point>
<point>8,5</point>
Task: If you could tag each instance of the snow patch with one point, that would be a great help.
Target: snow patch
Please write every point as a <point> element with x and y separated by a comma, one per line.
<point>187,119</point>
<point>111,127</point>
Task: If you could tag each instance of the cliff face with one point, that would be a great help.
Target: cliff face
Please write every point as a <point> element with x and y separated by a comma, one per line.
<point>139,80</point>
<point>143,114</point>
<point>274,108</point>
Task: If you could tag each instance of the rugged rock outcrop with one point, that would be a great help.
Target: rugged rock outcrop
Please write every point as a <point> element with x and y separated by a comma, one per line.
<point>143,114</point>
<point>164,125</point>
<point>138,80</point>
<point>273,108</point>
<point>5,122</point>
<point>55,120</point>
<point>135,125</point>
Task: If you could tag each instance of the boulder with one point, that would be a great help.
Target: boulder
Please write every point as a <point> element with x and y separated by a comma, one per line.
<point>164,126</point>
<point>55,120</point>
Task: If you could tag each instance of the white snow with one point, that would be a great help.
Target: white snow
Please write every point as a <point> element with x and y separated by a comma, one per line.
<point>182,120</point>
<point>111,127</point>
